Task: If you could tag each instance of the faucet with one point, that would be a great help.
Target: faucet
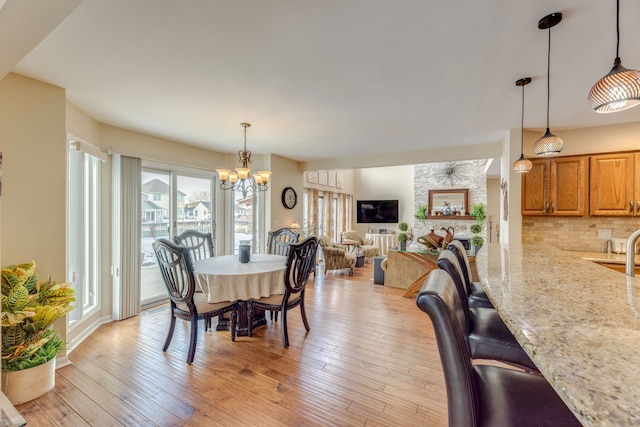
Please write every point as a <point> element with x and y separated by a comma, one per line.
<point>631,253</point>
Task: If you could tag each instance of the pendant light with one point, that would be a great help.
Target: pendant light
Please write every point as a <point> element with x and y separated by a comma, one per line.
<point>522,165</point>
<point>620,89</point>
<point>549,144</point>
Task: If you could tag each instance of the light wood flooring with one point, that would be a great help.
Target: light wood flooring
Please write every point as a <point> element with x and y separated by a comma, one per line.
<point>369,360</point>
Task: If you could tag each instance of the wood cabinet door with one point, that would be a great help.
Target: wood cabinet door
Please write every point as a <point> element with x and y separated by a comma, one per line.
<point>535,187</point>
<point>612,184</point>
<point>569,186</point>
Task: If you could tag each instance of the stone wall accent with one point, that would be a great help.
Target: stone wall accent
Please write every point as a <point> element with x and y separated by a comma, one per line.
<point>576,234</point>
<point>432,176</point>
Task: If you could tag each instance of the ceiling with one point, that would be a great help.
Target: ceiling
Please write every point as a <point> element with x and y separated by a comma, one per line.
<point>331,78</point>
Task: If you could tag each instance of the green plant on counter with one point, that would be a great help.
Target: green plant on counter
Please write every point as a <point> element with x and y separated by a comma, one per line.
<point>477,240</point>
<point>478,211</point>
<point>29,308</point>
<point>403,237</point>
<point>476,228</point>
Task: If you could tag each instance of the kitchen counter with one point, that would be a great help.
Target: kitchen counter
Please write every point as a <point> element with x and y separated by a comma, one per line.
<point>606,258</point>
<point>578,321</point>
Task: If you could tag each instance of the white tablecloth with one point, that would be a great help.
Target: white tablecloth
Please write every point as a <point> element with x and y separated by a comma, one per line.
<point>384,242</point>
<point>224,278</point>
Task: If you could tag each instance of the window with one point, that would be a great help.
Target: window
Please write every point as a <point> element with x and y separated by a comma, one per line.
<point>83,225</point>
<point>180,192</point>
<point>248,220</point>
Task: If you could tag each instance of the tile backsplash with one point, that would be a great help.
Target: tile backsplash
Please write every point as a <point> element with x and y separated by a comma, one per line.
<point>577,234</point>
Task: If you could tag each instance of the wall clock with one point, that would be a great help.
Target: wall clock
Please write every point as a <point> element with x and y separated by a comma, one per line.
<point>289,198</point>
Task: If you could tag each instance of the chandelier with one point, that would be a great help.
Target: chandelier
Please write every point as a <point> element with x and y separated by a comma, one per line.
<point>242,179</point>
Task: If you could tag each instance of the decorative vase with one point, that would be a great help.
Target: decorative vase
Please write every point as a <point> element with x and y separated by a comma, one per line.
<point>402,246</point>
<point>244,251</point>
<point>475,249</point>
<point>28,384</point>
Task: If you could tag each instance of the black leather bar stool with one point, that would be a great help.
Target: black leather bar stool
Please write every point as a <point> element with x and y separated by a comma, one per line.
<point>477,295</point>
<point>489,337</point>
<point>484,395</point>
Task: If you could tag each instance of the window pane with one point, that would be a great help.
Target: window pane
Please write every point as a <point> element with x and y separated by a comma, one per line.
<point>156,205</point>
<point>243,208</point>
<point>83,225</point>
<point>195,208</point>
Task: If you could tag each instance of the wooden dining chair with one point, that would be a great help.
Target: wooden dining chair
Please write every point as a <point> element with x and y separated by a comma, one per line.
<point>199,245</point>
<point>278,241</point>
<point>300,262</point>
<point>278,244</point>
<point>484,395</point>
<point>186,304</point>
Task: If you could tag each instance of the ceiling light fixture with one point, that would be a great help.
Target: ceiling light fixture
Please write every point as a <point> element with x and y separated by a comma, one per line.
<point>242,179</point>
<point>522,165</point>
<point>620,89</point>
<point>549,144</point>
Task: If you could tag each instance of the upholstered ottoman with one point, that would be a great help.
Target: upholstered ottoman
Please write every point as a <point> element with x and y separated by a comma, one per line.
<point>378,272</point>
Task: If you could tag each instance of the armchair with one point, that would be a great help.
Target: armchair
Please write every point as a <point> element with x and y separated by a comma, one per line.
<point>365,247</point>
<point>336,258</point>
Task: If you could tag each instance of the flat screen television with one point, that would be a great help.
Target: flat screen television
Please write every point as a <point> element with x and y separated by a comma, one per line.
<point>377,211</point>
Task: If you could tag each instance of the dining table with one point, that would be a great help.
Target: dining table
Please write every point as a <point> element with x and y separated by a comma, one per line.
<point>384,242</point>
<point>225,278</point>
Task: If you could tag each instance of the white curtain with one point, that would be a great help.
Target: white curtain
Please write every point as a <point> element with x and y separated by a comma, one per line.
<point>312,223</point>
<point>127,198</point>
<point>342,213</point>
<point>328,223</point>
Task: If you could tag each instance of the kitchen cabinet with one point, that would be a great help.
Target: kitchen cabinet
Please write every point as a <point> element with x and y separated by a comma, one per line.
<point>556,187</point>
<point>615,184</point>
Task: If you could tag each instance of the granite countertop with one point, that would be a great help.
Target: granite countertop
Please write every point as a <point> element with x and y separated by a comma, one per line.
<point>578,321</point>
<point>611,258</point>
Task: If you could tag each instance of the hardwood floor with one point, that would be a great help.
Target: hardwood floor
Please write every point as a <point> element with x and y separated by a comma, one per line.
<point>369,360</point>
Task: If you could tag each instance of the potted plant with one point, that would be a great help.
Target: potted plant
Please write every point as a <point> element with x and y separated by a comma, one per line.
<point>29,345</point>
<point>422,212</point>
<point>477,241</point>
<point>403,237</point>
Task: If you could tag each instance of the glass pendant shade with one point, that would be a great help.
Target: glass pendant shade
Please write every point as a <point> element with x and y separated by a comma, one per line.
<point>620,89</point>
<point>617,91</point>
<point>522,165</point>
<point>548,145</point>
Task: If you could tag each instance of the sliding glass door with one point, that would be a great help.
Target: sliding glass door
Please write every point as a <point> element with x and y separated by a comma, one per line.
<point>172,202</point>
<point>247,224</point>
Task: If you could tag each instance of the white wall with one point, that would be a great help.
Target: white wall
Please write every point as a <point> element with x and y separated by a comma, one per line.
<point>511,184</point>
<point>285,174</point>
<point>34,149</point>
<point>388,183</point>
<point>493,208</point>
<point>600,139</point>
<point>33,144</point>
<point>348,182</point>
